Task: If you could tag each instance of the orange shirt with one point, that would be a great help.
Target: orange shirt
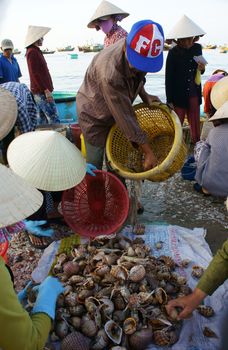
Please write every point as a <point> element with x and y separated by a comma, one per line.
<point>208,107</point>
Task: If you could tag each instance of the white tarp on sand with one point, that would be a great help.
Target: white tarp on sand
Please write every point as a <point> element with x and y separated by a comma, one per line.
<point>180,243</point>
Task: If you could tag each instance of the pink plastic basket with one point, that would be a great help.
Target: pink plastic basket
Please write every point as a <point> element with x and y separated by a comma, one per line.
<point>97,206</point>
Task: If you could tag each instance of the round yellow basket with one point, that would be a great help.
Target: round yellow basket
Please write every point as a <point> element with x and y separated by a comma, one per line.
<point>165,136</point>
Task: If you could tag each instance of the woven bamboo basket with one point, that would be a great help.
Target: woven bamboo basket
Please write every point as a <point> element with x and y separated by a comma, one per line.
<point>186,130</point>
<point>165,136</point>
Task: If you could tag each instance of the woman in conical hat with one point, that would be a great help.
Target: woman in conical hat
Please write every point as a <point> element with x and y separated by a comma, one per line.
<point>49,162</point>
<point>105,18</point>
<point>40,79</point>
<point>18,200</point>
<point>209,109</point>
<point>183,70</point>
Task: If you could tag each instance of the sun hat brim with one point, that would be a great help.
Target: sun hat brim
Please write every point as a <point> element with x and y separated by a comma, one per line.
<point>8,47</point>
<point>105,9</point>
<point>185,28</point>
<point>18,199</point>
<point>35,33</point>
<point>221,113</point>
<point>47,160</point>
<point>219,93</point>
<point>8,112</point>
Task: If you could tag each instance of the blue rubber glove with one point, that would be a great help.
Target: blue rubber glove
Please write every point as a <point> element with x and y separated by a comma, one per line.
<point>90,168</point>
<point>36,230</point>
<point>48,292</point>
<point>22,295</point>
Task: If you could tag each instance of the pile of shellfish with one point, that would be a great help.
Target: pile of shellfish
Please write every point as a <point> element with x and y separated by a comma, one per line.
<point>115,296</point>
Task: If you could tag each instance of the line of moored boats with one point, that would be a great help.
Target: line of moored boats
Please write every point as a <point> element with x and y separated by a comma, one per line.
<point>99,47</point>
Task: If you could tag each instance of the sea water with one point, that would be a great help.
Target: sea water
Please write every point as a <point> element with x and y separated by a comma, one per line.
<point>67,74</point>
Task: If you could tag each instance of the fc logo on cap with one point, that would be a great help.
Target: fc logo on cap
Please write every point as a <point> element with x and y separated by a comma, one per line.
<point>148,42</point>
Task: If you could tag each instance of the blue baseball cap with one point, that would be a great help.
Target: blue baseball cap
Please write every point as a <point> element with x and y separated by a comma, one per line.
<point>144,47</point>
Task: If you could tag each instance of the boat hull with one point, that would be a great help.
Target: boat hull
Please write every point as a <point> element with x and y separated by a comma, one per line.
<point>48,52</point>
<point>66,106</point>
<point>67,49</point>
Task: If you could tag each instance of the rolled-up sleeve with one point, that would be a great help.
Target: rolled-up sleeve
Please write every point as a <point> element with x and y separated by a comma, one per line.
<point>121,109</point>
<point>19,331</point>
<point>217,271</point>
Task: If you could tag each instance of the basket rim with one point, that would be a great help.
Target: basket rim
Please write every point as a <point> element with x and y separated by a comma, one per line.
<point>127,205</point>
<point>178,136</point>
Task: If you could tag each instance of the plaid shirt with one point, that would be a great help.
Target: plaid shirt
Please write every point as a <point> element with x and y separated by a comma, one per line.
<point>27,111</point>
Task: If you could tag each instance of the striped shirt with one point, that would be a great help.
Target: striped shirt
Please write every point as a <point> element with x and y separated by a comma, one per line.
<point>106,95</point>
<point>26,108</point>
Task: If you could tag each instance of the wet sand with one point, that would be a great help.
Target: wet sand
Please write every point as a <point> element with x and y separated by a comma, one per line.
<point>175,202</point>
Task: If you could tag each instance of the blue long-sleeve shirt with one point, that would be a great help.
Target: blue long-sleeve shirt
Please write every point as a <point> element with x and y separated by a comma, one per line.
<point>9,71</point>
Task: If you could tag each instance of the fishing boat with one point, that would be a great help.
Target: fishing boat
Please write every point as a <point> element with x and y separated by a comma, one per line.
<point>66,106</point>
<point>47,52</point>
<point>223,49</point>
<point>73,56</point>
<point>16,52</point>
<point>91,48</point>
<point>210,47</point>
<point>65,49</point>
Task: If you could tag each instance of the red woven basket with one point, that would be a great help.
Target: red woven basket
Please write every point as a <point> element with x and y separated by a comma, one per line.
<point>97,206</point>
<point>3,250</point>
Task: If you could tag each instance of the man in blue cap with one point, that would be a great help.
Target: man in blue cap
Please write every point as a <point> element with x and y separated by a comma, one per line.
<point>112,82</point>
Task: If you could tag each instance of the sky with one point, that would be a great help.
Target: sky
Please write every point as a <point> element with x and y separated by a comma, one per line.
<point>68,18</point>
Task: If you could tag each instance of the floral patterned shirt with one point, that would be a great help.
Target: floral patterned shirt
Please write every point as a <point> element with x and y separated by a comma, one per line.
<point>115,34</point>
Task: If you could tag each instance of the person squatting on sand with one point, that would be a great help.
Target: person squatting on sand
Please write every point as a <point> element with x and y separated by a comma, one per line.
<point>212,154</point>
<point>209,110</point>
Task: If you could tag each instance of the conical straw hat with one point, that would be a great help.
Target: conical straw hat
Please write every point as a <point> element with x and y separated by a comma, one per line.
<point>34,33</point>
<point>219,93</point>
<point>221,113</point>
<point>185,28</point>
<point>47,160</point>
<point>105,9</point>
<point>18,199</point>
<point>8,112</point>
